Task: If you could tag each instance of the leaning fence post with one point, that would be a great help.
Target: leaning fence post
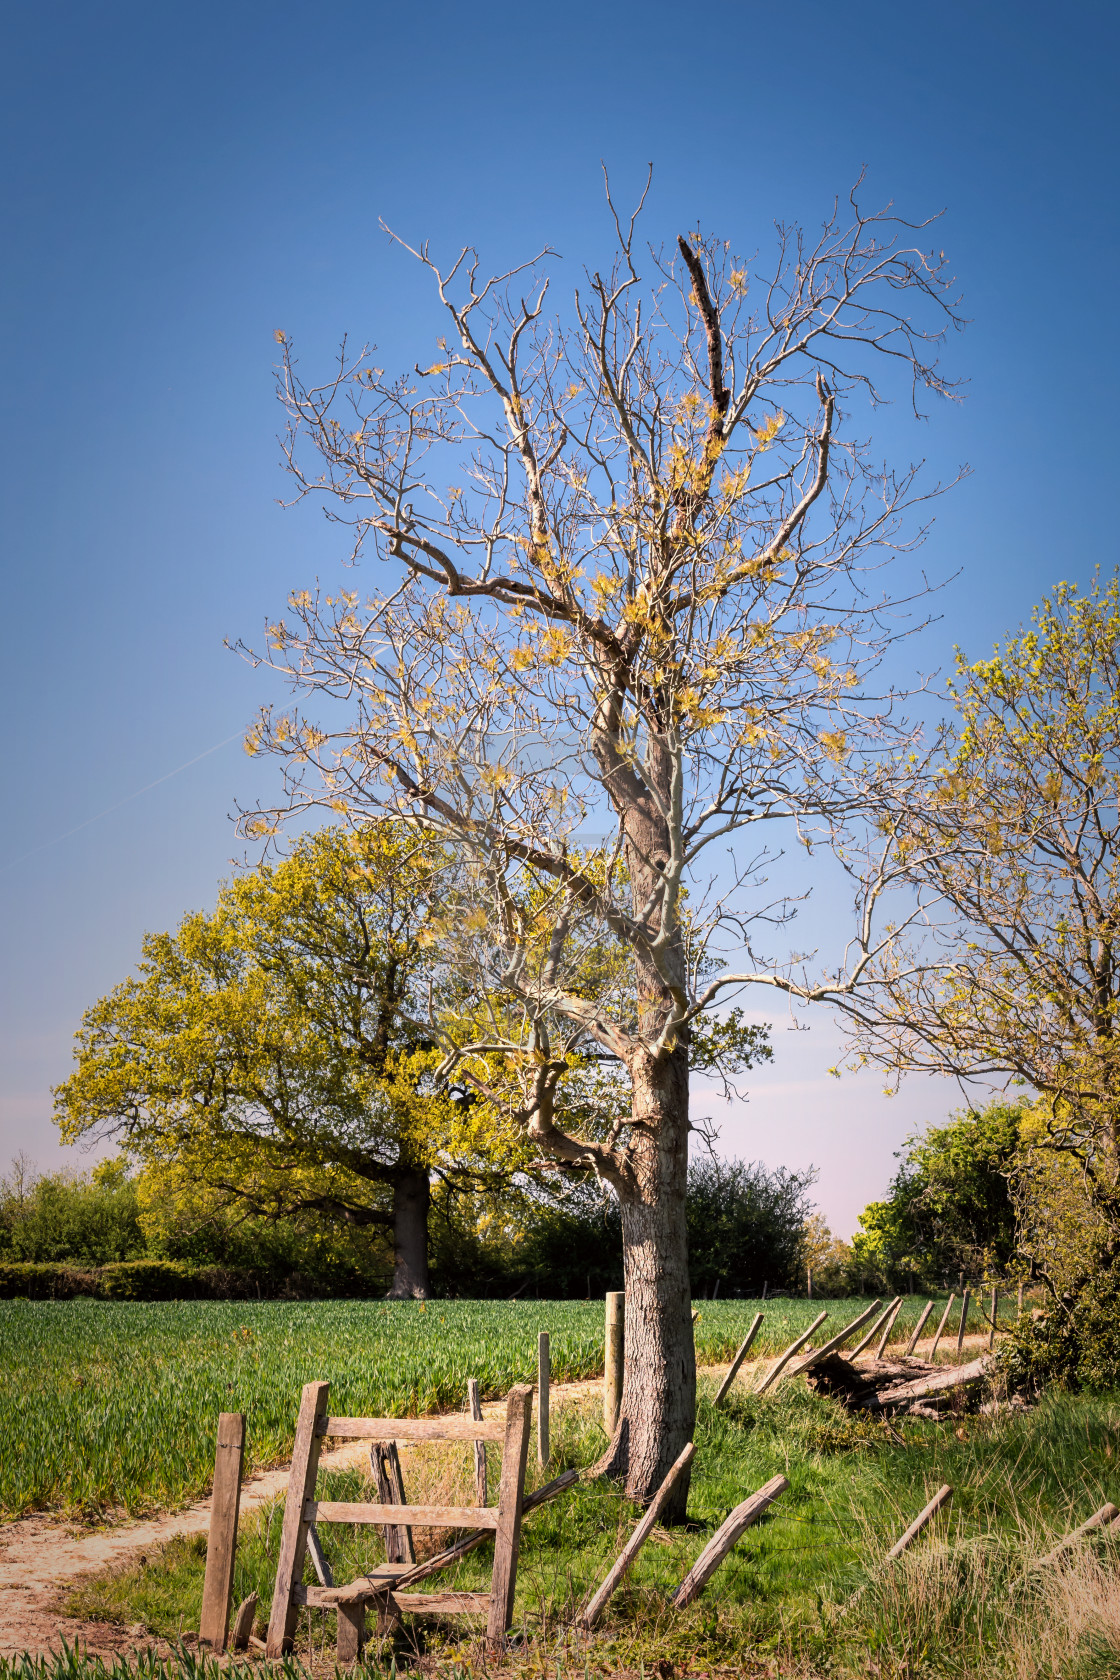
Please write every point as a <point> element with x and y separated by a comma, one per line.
<point>221,1544</point>
<point>888,1327</point>
<point>723,1539</point>
<point>913,1342</point>
<point>875,1328</point>
<point>544,1373</point>
<point>995,1308</point>
<point>920,1521</point>
<point>614,1338</point>
<point>738,1360</point>
<point>941,1327</point>
<point>598,1603</point>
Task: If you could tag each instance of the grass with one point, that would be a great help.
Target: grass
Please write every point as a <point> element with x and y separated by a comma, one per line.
<point>110,1407</point>
<point>807,1592</point>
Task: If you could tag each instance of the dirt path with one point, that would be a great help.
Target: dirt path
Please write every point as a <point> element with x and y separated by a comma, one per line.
<point>40,1557</point>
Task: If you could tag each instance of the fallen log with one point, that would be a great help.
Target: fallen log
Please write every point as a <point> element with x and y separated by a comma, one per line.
<point>956,1376</point>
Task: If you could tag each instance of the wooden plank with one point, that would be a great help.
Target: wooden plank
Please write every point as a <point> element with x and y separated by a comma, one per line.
<point>544,1377</point>
<point>924,1516</point>
<point>474,1405</point>
<point>243,1623</point>
<point>875,1328</point>
<point>965,1298</point>
<point>419,1516</point>
<point>378,1581</point>
<point>918,1328</point>
<point>888,1327</point>
<point>442,1604</point>
<point>724,1538</point>
<point>776,1369</point>
<point>385,1462</point>
<point>452,1426</point>
<point>941,1327</point>
<point>738,1360</point>
<point>1107,1514</point>
<point>351,1636</point>
<point>221,1543</point>
<point>318,1557</point>
<point>614,1344</point>
<point>293,1535</point>
<point>598,1603</point>
<point>835,1341</point>
<point>511,1494</point>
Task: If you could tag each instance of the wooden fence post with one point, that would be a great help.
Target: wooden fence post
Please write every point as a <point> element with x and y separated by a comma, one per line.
<point>385,1462</point>
<point>738,1360</point>
<point>833,1342</point>
<point>995,1308</point>
<point>888,1327</point>
<point>511,1494</point>
<point>596,1605</point>
<point>892,1306</point>
<point>544,1376</point>
<point>964,1319</point>
<point>920,1521</point>
<point>474,1403</point>
<point>913,1342</point>
<point>941,1327</point>
<point>221,1544</point>
<point>776,1370</point>
<point>723,1540</point>
<point>293,1534</point>
<point>613,1346</point>
<point>1107,1514</point>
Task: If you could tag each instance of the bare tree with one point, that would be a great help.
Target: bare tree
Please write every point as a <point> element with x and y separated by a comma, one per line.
<point>626,596</point>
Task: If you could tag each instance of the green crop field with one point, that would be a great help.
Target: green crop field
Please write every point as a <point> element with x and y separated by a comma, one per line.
<point>112,1406</point>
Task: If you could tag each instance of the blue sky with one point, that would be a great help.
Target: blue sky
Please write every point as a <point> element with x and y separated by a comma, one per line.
<point>180,181</point>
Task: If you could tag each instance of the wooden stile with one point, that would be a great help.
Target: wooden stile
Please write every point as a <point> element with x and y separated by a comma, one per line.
<point>783,1360</point>
<point>474,1406</point>
<point>738,1360</point>
<point>941,1327</point>
<point>924,1516</point>
<point>918,1328</point>
<point>724,1538</point>
<point>380,1587</point>
<point>598,1603</point>
<point>221,1544</point>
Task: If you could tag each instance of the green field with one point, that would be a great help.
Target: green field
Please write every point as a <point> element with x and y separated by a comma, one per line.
<point>112,1406</point>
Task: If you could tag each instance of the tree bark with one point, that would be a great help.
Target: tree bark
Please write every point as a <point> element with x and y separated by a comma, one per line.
<point>658,1413</point>
<point>411,1200</point>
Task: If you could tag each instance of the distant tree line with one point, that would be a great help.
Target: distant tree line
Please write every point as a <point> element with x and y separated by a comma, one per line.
<point>748,1229</point>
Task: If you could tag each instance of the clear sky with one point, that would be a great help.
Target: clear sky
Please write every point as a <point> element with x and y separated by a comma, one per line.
<point>179,181</point>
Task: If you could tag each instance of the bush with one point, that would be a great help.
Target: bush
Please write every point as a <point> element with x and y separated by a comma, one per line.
<point>1074,1341</point>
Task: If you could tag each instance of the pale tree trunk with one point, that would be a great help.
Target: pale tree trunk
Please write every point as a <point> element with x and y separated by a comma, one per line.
<point>658,1413</point>
<point>411,1200</point>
